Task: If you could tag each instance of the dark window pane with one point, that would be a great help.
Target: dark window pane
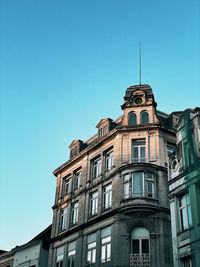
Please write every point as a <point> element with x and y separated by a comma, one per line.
<point>145,246</point>
<point>132,119</point>
<point>135,246</point>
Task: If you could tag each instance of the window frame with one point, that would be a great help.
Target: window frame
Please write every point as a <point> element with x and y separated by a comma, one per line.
<point>92,249</point>
<point>109,160</point>
<point>67,185</point>
<point>185,212</point>
<point>63,219</point>
<point>106,243</point>
<point>132,121</point>
<point>96,168</point>
<point>74,213</point>
<point>71,255</point>
<point>139,144</point>
<point>142,119</point>
<point>60,261</point>
<point>93,200</point>
<point>77,179</point>
<point>107,196</point>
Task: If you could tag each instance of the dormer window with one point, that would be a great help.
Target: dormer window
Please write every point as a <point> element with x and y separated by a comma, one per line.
<point>144,117</point>
<point>132,119</point>
<point>75,147</point>
<point>104,126</point>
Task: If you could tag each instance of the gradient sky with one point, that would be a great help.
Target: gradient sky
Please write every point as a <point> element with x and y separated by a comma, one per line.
<point>64,65</point>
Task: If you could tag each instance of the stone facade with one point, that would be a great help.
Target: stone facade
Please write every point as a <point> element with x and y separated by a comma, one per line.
<point>184,191</point>
<point>111,205</point>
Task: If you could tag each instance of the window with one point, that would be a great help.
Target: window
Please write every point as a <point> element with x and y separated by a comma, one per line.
<point>137,184</point>
<point>144,117</point>
<point>71,254</point>
<point>138,150</point>
<point>106,244</point>
<point>105,130</point>
<point>59,256</point>
<point>67,185</point>
<point>100,133</point>
<point>109,161</point>
<point>140,254</point>
<point>78,175</point>
<point>132,119</point>
<point>93,202</point>
<point>107,196</point>
<point>96,168</point>
<point>63,219</point>
<point>170,149</point>
<point>74,213</point>
<point>150,184</point>
<point>126,186</point>
<point>142,185</point>
<point>91,249</point>
<point>185,212</point>
<point>186,262</point>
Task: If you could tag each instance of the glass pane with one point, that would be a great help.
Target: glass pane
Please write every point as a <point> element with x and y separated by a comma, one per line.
<point>89,256</point>
<point>103,253</point>
<point>144,117</point>
<point>142,152</point>
<point>108,251</point>
<point>135,246</point>
<point>72,246</point>
<point>135,153</point>
<point>126,190</point>
<point>92,238</point>
<point>149,189</point>
<point>145,246</point>
<point>93,255</point>
<point>184,218</point>
<point>132,118</point>
<point>137,184</point>
<point>189,215</point>
<point>106,232</point>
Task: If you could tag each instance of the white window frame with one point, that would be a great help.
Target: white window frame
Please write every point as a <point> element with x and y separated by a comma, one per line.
<point>77,180</point>
<point>96,168</point>
<point>93,203</point>
<point>107,196</point>
<point>68,185</point>
<point>63,219</point>
<point>91,249</point>
<point>139,145</point>
<point>74,213</point>
<point>60,256</point>
<point>126,186</point>
<point>109,158</point>
<point>185,212</point>
<point>71,252</point>
<point>106,245</point>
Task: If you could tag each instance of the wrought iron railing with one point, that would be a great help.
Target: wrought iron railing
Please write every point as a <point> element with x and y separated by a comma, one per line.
<point>140,260</point>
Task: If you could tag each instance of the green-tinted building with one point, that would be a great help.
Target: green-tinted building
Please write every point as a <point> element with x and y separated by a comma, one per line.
<point>184,191</point>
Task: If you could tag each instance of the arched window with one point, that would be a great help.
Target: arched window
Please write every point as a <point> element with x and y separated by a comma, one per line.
<point>132,119</point>
<point>144,117</point>
<point>140,252</point>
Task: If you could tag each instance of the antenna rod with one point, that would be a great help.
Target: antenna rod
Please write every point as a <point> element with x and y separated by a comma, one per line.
<point>140,62</point>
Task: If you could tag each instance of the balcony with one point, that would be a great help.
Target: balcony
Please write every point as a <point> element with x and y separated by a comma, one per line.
<point>140,260</point>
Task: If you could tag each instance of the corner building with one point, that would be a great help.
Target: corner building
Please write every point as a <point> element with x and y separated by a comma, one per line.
<point>111,205</point>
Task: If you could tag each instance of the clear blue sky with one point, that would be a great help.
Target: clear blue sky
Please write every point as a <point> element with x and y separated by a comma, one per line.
<point>64,65</point>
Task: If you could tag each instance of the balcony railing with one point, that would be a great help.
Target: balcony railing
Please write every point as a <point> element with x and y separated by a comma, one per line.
<point>140,260</point>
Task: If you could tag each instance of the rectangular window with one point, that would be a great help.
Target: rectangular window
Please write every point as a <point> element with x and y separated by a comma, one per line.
<point>139,151</point>
<point>78,175</point>
<point>68,185</point>
<point>126,186</point>
<point>93,202</point>
<point>63,219</point>
<point>106,244</point>
<point>71,252</point>
<point>185,212</point>
<point>59,256</point>
<point>91,249</point>
<point>186,262</point>
<point>96,168</point>
<point>170,149</point>
<point>137,184</point>
<point>150,184</point>
<point>109,161</point>
<point>107,196</point>
<point>74,213</point>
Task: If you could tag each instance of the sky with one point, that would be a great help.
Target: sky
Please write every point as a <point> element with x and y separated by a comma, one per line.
<point>65,65</point>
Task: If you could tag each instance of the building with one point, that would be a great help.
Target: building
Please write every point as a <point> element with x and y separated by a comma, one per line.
<point>111,205</point>
<point>184,191</point>
<point>32,254</point>
<point>6,258</point>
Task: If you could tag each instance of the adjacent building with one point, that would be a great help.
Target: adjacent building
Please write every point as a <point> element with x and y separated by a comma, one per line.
<point>184,191</point>
<point>32,254</point>
<point>111,205</point>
